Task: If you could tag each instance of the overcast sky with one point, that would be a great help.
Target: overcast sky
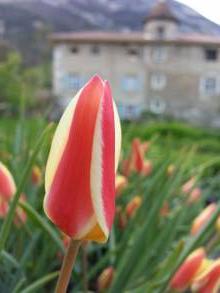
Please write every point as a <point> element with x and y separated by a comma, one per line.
<point>208,8</point>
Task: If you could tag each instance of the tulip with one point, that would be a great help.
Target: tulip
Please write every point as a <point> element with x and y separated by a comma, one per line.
<point>20,215</point>
<point>126,168</point>
<point>133,205</point>
<point>105,279</point>
<point>147,168</point>
<point>165,210</point>
<point>80,172</point>
<point>203,218</point>
<point>188,186</point>
<point>188,270</point>
<point>209,280</point>
<point>7,183</point>
<point>138,155</point>
<point>194,196</point>
<point>121,182</point>
<point>7,189</point>
<point>36,175</point>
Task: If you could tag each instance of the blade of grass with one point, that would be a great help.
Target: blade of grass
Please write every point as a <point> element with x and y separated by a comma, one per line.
<point>40,282</point>
<point>37,218</point>
<point>5,229</point>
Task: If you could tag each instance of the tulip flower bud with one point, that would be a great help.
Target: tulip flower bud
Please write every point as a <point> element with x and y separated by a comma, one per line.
<point>80,172</point>
<point>121,182</point>
<point>7,184</point>
<point>20,215</point>
<point>133,205</point>
<point>147,168</point>
<point>188,270</point>
<point>137,155</point>
<point>7,189</point>
<point>194,196</point>
<point>36,175</point>
<point>188,186</point>
<point>209,280</point>
<point>203,218</point>
<point>105,279</point>
<point>165,210</point>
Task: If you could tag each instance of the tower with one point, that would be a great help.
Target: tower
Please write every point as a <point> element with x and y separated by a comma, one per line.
<point>161,23</point>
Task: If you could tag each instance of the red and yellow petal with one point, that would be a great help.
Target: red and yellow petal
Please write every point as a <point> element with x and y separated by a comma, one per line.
<point>209,280</point>
<point>188,270</point>
<point>7,183</point>
<point>80,173</point>
<point>203,218</point>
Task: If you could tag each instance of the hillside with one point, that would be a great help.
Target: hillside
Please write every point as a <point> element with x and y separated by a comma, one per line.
<point>28,22</point>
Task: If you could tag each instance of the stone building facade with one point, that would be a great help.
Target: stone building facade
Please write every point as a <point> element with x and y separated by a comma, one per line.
<point>160,69</point>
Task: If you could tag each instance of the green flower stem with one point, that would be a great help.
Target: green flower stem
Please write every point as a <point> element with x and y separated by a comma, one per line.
<point>67,266</point>
<point>5,229</point>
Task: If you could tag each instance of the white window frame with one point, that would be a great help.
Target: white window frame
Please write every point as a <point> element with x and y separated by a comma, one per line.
<point>158,81</point>
<point>132,87</point>
<point>159,54</point>
<point>157,105</point>
<point>204,92</point>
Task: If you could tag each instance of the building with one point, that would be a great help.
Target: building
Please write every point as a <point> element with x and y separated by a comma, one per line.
<point>160,69</point>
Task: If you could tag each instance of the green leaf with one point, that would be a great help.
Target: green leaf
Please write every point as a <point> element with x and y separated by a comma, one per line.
<point>40,283</point>
<point>5,229</point>
<point>42,223</point>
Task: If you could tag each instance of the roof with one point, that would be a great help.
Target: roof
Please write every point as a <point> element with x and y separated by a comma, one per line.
<point>161,11</point>
<point>132,38</point>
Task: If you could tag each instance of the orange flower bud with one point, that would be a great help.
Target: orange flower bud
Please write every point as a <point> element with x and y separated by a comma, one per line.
<point>126,168</point>
<point>7,189</point>
<point>80,172</point>
<point>203,218</point>
<point>194,196</point>
<point>36,175</point>
<point>105,279</point>
<point>7,184</point>
<point>121,182</point>
<point>188,270</point>
<point>209,280</point>
<point>133,205</point>
<point>20,215</point>
<point>188,186</point>
<point>147,168</point>
<point>165,210</point>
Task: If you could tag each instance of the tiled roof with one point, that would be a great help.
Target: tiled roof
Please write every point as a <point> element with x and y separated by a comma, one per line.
<point>132,38</point>
<point>161,11</point>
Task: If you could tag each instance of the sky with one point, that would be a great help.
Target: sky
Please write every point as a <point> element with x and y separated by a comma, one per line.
<point>208,8</point>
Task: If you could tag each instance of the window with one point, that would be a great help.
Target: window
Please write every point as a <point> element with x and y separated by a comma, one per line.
<point>209,86</point>
<point>95,50</point>
<point>130,83</point>
<point>160,32</point>
<point>157,105</point>
<point>158,81</point>
<point>74,50</point>
<point>73,81</point>
<point>159,54</point>
<point>129,111</point>
<point>133,51</point>
<point>211,54</point>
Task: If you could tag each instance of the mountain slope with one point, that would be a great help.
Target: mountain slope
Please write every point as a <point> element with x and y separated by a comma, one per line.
<point>28,22</point>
